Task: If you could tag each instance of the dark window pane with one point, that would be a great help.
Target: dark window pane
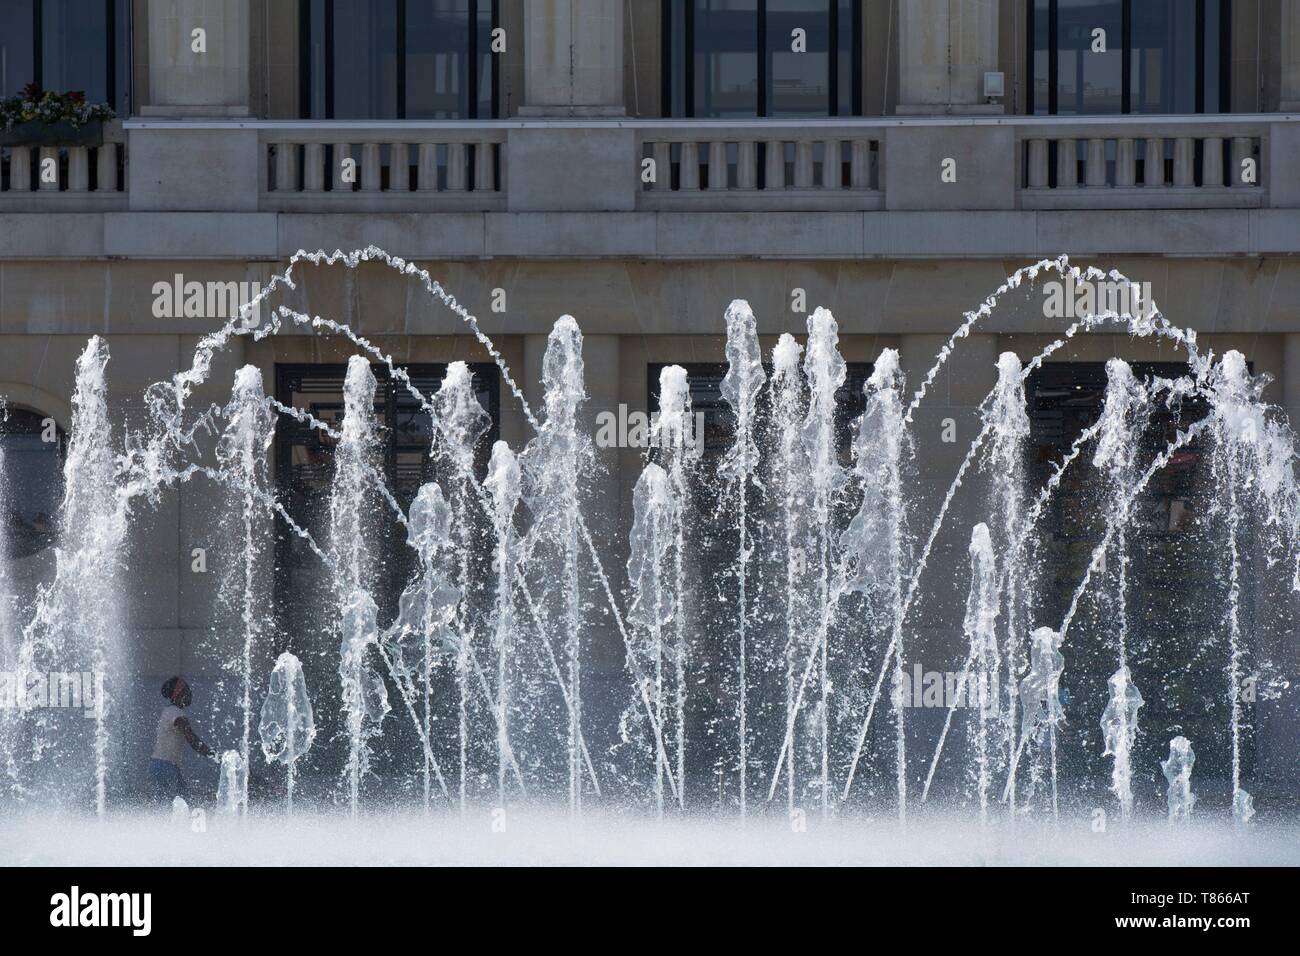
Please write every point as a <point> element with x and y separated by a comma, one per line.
<point>1041,64</point>
<point>437,48</point>
<point>844,61</point>
<point>355,44</point>
<point>16,66</point>
<point>1163,57</point>
<point>798,83</point>
<point>726,57</point>
<point>714,67</point>
<point>315,58</point>
<point>1088,81</point>
<point>675,81</point>
<point>1216,87</point>
<point>33,483</point>
<point>486,61</point>
<point>365,59</point>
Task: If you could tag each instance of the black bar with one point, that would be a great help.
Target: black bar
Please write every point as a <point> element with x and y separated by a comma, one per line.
<point>1200,56</point>
<point>1126,61</point>
<point>304,59</point>
<point>130,58</point>
<point>762,58</point>
<point>496,64</point>
<point>665,57</point>
<point>833,57</point>
<point>110,28</point>
<point>688,55</point>
<point>329,59</point>
<point>1225,56</point>
<point>471,56</point>
<point>401,57</point>
<point>1090,902</point>
<point>1053,57</point>
<point>1029,57</point>
<point>856,41</point>
<point>38,48</point>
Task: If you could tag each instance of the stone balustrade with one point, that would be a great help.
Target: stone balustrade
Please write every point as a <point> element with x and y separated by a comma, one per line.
<point>758,164</point>
<point>668,165</point>
<point>53,177</point>
<point>1142,162</point>
<point>415,165</point>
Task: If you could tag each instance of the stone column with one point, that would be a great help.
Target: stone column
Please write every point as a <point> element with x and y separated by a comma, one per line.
<point>211,81</point>
<point>573,58</point>
<point>1290,60</point>
<point>945,47</point>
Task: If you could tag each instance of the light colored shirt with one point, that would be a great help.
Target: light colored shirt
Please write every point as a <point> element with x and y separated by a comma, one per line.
<point>170,743</point>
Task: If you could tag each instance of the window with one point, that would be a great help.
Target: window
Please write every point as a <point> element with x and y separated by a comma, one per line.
<point>305,468</point>
<point>1160,56</point>
<point>397,59</point>
<point>31,483</point>
<point>1173,576</point>
<point>67,45</point>
<point>726,58</point>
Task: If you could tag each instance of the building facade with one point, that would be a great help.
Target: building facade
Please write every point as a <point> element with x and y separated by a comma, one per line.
<point>637,164</point>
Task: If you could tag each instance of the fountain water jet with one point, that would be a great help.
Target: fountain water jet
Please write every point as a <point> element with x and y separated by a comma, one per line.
<point>740,390</point>
<point>1124,416</point>
<point>881,451</point>
<point>789,470</point>
<point>503,485</point>
<point>553,465</point>
<point>655,602</point>
<point>1040,703</point>
<point>242,459</point>
<point>460,422</point>
<point>1009,422</point>
<point>979,674</point>
<point>1178,771</point>
<point>825,370</point>
<point>287,726</point>
<point>364,697</point>
<point>671,435</point>
<point>78,613</point>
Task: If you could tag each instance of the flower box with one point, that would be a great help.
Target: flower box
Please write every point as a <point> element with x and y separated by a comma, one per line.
<point>36,133</point>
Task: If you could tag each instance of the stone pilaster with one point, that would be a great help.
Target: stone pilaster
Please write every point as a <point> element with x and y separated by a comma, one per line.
<point>210,81</point>
<point>945,48</point>
<point>573,58</point>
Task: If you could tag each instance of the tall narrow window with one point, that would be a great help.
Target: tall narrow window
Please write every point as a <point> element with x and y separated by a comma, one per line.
<point>397,59</point>
<point>33,482</point>
<point>735,58</point>
<point>1123,56</point>
<point>66,46</point>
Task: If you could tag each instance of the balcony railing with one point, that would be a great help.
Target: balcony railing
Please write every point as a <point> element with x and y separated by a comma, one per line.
<point>1142,162</point>
<point>63,178</point>
<point>671,165</point>
<point>758,164</point>
<point>408,166</point>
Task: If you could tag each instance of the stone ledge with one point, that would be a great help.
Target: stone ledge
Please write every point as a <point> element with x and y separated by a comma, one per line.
<point>656,235</point>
